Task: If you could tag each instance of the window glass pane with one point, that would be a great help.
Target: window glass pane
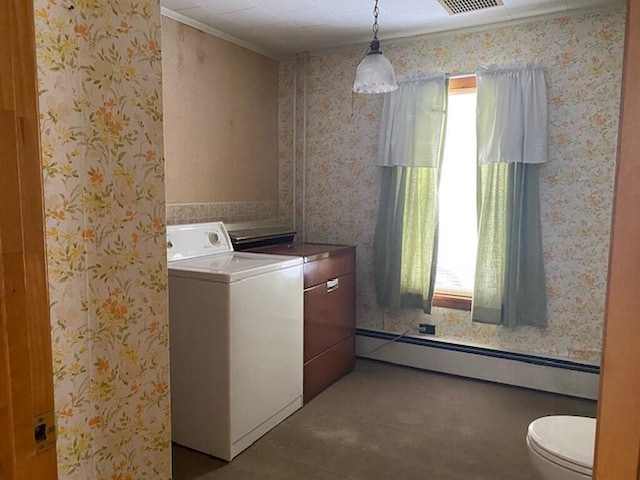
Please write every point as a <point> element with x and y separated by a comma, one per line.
<point>457,236</point>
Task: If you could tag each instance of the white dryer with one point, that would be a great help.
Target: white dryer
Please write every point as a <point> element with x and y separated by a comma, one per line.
<point>235,340</point>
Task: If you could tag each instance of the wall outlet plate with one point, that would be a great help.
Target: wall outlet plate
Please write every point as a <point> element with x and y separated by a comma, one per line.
<point>427,328</point>
<point>44,431</point>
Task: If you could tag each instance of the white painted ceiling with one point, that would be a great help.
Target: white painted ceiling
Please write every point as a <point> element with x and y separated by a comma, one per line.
<point>281,28</point>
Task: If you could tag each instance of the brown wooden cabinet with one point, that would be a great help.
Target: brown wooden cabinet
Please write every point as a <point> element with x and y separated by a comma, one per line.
<point>329,311</point>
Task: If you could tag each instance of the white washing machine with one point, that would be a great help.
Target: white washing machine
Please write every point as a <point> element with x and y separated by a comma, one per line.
<point>235,340</point>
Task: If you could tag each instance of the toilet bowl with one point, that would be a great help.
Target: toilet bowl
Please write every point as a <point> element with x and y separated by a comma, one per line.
<point>561,447</point>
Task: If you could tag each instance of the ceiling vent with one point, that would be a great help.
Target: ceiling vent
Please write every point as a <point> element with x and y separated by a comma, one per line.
<point>463,6</point>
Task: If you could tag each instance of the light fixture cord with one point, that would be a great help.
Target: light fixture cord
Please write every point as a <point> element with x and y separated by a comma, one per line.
<point>375,20</point>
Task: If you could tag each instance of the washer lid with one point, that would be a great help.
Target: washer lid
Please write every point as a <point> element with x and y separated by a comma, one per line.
<point>569,438</point>
<point>230,267</point>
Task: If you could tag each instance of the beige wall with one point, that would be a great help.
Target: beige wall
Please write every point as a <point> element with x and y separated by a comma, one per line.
<point>220,119</point>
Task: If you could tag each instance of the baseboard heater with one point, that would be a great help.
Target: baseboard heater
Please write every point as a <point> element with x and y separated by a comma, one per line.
<point>519,369</point>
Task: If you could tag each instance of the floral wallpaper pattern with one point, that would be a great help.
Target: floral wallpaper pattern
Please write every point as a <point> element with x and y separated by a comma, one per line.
<point>286,118</point>
<point>101,126</point>
<point>582,58</point>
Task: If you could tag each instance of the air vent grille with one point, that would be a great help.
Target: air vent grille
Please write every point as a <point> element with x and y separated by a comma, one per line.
<point>463,6</point>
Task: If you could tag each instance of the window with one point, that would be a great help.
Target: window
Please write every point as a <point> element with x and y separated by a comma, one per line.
<point>509,266</point>
<point>457,235</point>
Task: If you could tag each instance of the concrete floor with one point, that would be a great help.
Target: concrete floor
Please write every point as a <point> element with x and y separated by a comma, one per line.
<point>388,422</point>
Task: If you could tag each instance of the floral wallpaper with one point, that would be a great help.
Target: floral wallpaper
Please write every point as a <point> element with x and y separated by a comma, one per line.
<point>582,58</point>
<point>101,127</point>
<point>286,117</point>
<point>292,145</point>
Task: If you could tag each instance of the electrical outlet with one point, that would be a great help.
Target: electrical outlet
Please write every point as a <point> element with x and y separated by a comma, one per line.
<point>427,328</point>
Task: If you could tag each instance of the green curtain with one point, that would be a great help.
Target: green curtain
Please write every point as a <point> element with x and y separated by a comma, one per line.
<point>405,244</point>
<point>512,128</point>
<point>509,281</point>
<point>410,153</point>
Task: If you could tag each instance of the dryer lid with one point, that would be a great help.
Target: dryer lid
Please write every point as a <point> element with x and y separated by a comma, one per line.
<point>567,437</point>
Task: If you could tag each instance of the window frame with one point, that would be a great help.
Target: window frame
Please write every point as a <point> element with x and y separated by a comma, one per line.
<point>443,299</point>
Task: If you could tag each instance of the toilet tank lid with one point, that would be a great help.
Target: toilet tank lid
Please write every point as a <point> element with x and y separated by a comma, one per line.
<point>567,437</point>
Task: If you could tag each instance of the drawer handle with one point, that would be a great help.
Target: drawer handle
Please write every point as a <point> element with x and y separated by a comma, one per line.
<point>333,285</point>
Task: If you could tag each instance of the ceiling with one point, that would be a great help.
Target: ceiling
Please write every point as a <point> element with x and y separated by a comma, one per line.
<point>281,28</point>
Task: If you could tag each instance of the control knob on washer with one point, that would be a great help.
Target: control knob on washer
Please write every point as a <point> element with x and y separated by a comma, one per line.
<point>214,238</point>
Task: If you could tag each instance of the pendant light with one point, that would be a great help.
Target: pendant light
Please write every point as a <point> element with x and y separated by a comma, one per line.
<point>375,73</point>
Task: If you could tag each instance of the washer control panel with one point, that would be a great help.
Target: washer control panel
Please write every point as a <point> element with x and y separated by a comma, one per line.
<point>197,240</point>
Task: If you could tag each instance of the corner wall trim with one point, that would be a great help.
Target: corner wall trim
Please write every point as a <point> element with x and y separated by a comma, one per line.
<point>519,369</point>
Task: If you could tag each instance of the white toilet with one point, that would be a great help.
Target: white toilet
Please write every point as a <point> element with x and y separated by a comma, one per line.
<point>561,447</point>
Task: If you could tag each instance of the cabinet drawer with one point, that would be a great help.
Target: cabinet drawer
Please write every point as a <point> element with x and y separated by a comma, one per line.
<point>328,367</point>
<point>329,310</point>
<point>319,271</point>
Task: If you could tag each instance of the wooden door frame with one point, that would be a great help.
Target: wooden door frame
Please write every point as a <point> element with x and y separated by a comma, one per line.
<point>26,369</point>
<point>618,429</point>
<point>23,276</point>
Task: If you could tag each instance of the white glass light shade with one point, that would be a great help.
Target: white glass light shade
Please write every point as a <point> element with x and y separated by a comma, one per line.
<point>375,74</point>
